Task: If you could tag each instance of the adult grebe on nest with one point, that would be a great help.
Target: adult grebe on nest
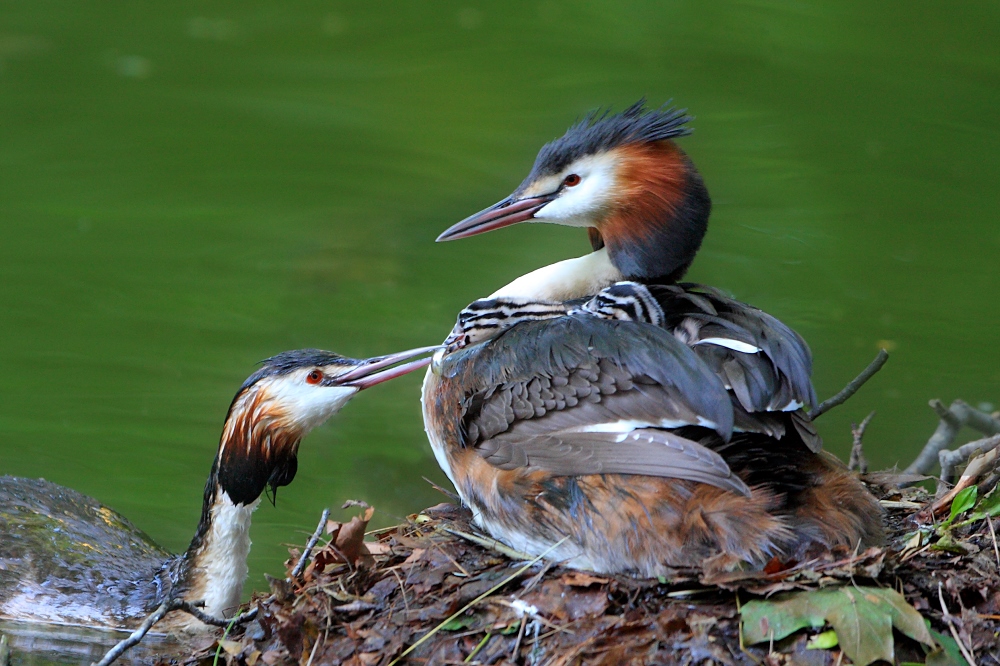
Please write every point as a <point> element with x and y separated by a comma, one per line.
<point>605,413</point>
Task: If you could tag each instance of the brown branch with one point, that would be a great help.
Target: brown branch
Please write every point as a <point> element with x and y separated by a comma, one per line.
<point>857,460</point>
<point>852,387</point>
<point>311,544</point>
<point>188,607</point>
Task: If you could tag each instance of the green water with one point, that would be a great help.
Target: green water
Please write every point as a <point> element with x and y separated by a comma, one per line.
<point>187,188</point>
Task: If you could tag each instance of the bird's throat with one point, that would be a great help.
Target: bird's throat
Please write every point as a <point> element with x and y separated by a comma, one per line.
<point>564,280</point>
<point>216,561</point>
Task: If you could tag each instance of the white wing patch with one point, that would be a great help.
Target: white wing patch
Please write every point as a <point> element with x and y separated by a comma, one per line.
<point>624,428</point>
<point>728,343</point>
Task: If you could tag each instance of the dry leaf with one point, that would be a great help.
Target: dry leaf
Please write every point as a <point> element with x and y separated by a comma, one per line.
<point>581,579</point>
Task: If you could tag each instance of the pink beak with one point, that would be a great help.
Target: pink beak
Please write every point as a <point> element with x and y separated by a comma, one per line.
<point>499,215</point>
<point>380,369</point>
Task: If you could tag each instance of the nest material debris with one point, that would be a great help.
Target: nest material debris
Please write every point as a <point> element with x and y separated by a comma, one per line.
<point>432,591</point>
<point>425,594</point>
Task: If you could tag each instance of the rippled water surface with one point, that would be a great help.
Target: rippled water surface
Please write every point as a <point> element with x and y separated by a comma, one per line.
<point>188,188</point>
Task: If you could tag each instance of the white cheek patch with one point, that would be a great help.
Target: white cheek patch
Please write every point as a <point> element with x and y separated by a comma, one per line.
<point>307,405</point>
<point>583,204</point>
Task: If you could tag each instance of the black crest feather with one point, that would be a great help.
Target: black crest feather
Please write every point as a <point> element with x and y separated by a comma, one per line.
<point>600,131</point>
<point>285,362</point>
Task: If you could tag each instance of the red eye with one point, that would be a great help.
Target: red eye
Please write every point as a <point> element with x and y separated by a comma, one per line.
<point>571,180</point>
<point>314,377</point>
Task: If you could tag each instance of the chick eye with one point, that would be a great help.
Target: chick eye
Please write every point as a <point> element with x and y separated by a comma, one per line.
<point>571,180</point>
<point>314,377</point>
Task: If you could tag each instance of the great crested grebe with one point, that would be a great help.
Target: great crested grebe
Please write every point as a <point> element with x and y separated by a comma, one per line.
<point>65,558</point>
<point>649,422</point>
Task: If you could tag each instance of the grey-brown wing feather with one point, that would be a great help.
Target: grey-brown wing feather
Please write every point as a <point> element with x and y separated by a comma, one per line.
<point>595,393</point>
<point>536,393</point>
<point>558,364</point>
<point>771,379</point>
<point>647,451</point>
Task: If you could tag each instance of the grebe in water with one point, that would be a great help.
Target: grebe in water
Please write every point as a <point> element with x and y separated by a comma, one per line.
<point>65,558</point>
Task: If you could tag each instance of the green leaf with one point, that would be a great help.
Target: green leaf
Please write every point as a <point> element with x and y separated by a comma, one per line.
<point>989,505</point>
<point>863,618</point>
<point>948,544</point>
<point>963,501</point>
<point>823,641</point>
<point>947,654</point>
<point>459,623</point>
<point>511,628</point>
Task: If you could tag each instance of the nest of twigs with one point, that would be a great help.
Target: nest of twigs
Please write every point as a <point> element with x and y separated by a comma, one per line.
<point>431,591</point>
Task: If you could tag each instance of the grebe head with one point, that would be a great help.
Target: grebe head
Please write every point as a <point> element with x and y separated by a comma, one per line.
<point>623,178</point>
<point>282,402</point>
<point>274,409</point>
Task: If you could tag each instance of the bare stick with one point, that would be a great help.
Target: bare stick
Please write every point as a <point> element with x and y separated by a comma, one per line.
<point>491,544</point>
<point>192,609</point>
<point>951,459</point>
<point>356,606</point>
<point>975,418</point>
<point>167,606</point>
<point>942,437</point>
<point>140,633</point>
<point>852,387</point>
<point>857,460</point>
<point>514,654</point>
<point>952,420</point>
<point>312,544</point>
<point>950,621</point>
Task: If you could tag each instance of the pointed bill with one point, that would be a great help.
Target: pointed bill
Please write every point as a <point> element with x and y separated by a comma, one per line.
<point>501,214</point>
<point>380,369</point>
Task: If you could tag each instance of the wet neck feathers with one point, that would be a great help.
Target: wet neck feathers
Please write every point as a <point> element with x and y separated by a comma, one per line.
<point>257,450</point>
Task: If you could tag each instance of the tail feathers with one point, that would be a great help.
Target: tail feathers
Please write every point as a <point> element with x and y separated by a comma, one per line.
<point>822,502</point>
<point>837,510</point>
